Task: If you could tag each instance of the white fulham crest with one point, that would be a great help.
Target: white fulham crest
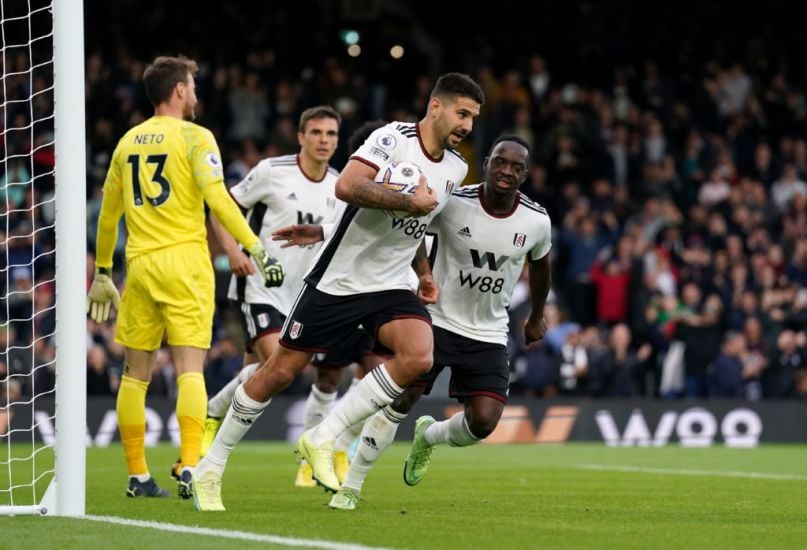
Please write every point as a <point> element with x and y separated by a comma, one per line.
<point>519,239</point>
<point>296,330</point>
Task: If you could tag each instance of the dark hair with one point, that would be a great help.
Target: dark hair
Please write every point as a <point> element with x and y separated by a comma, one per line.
<point>509,137</point>
<point>320,111</point>
<point>161,77</point>
<point>361,134</point>
<point>458,85</point>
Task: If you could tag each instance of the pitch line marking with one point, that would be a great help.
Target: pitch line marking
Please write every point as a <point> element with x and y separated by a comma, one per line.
<point>230,534</point>
<point>688,472</point>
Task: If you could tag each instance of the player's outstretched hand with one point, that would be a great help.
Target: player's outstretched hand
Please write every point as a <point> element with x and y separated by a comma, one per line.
<point>423,199</point>
<point>428,291</point>
<point>269,267</point>
<point>534,330</point>
<point>298,235</point>
<point>240,264</point>
<point>102,297</point>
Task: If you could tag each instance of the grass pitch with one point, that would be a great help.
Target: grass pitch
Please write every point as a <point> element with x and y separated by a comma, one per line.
<point>527,496</point>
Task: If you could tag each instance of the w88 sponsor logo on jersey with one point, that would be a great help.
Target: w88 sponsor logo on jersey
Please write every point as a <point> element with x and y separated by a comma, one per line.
<point>483,283</point>
<point>411,227</point>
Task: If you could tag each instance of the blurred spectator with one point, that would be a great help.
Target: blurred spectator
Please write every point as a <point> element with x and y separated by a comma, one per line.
<point>787,187</point>
<point>98,382</point>
<point>699,327</point>
<point>614,373</point>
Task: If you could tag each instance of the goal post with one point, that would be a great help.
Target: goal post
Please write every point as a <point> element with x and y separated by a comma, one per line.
<point>71,253</point>
<point>42,470</point>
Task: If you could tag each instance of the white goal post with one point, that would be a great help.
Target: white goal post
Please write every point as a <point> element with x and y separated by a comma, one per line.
<point>66,468</point>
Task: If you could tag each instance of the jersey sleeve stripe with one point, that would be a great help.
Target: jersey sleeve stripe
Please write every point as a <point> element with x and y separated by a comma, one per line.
<point>534,207</point>
<point>458,155</point>
<point>365,161</point>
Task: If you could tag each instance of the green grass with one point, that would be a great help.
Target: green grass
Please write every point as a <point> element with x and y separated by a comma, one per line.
<point>481,497</point>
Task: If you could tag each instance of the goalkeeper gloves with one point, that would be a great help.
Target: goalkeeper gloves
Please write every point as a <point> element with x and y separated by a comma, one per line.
<point>269,267</point>
<point>102,297</point>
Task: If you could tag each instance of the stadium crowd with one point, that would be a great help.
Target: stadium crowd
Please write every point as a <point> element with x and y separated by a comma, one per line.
<point>677,193</point>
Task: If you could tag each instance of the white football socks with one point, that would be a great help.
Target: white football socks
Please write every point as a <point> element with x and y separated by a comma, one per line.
<point>317,406</point>
<point>454,432</point>
<point>379,431</point>
<point>344,441</point>
<point>375,391</point>
<point>242,414</point>
<point>218,404</point>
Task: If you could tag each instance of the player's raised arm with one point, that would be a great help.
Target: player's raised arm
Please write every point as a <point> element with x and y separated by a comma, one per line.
<point>356,186</point>
<point>540,277</point>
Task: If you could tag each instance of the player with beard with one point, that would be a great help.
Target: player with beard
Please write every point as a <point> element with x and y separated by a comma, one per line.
<point>162,173</point>
<point>482,239</point>
<point>361,277</point>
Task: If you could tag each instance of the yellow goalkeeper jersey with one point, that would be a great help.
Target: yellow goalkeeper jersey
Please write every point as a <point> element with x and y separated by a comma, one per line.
<point>161,173</point>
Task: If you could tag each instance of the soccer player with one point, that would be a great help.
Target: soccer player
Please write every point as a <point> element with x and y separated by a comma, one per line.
<point>162,173</point>
<point>361,277</point>
<point>282,191</point>
<point>481,240</point>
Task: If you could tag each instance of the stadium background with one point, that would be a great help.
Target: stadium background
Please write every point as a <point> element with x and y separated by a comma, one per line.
<point>669,145</point>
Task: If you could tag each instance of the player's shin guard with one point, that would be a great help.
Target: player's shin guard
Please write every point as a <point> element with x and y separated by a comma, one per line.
<point>454,431</point>
<point>317,406</point>
<point>379,431</point>
<point>191,409</point>
<point>131,409</point>
<point>242,414</point>
<point>374,392</point>
<point>218,404</point>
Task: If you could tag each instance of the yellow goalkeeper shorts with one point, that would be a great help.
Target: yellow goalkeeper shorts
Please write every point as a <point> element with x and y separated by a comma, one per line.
<point>169,290</point>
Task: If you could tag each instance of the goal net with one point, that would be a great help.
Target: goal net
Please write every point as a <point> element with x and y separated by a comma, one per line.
<point>42,258</point>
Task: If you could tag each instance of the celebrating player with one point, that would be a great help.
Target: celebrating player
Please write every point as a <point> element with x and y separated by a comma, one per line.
<point>279,191</point>
<point>361,277</point>
<point>162,172</point>
<point>481,239</point>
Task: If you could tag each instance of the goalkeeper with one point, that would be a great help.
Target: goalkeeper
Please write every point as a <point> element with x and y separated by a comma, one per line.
<point>162,173</point>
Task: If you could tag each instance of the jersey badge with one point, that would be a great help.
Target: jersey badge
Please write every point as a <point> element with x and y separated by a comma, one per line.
<point>213,160</point>
<point>296,330</point>
<point>450,187</point>
<point>263,320</point>
<point>386,142</point>
<point>519,239</point>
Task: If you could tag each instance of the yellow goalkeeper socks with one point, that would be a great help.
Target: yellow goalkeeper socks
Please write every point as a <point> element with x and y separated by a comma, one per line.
<point>191,412</point>
<point>131,409</point>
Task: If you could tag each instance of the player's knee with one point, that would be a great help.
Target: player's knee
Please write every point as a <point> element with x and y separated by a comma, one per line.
<point>278,377</point>
<point>326,385</point>
<point>482,425</point>
<point>416,361</point>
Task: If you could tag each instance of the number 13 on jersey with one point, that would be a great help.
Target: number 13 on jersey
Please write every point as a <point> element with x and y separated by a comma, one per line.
<point>157,177</point>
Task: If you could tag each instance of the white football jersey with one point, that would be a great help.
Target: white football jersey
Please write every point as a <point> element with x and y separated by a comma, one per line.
<point>370,251</point>
<point>478,258</point>
<point>278,193</point>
